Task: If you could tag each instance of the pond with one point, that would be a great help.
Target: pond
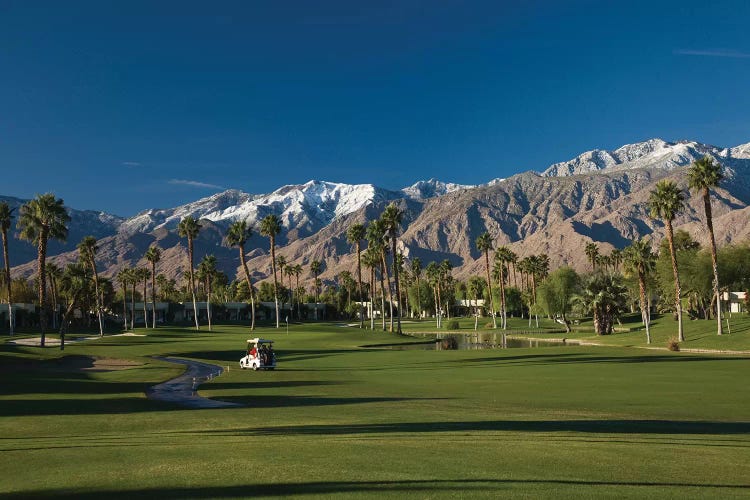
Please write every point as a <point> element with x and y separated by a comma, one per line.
<point>473,341</point>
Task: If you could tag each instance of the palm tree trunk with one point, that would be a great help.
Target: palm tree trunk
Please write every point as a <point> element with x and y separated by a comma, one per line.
<point>41,258</point>
<point>125,305</point>
<point>437,310</point>
<point>132,305</point>
<point>677,290</point>
<point>503,314</point>
<point>92,263</point>
<point>644,312</point>
<point>8,282</point>
<point>249,286</point>
<point>714,261</point>
<point>419,299</point>
<point>53,289</point>
<point>208,302</point>
<point>192,282</point>
<point>489,284</point>
<point>145,299</point>
<point>372,298</point>
<point>153,294</point>
<point>359,282</point>
<point>382,297</point>
<point>275,282</point>
<point>398,289</point>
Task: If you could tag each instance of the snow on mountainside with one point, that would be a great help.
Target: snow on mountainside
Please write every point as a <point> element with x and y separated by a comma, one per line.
<point>311,206</point>
<point>654,153</point>
<point>429,189</point>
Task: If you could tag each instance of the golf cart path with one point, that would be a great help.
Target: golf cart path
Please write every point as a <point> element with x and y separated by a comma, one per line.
<point>181,390</point>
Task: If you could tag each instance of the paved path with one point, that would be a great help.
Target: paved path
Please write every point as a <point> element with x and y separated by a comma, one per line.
<point>181,390</point>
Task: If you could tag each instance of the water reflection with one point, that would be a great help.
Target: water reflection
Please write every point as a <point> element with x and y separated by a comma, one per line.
<point>473,341</point>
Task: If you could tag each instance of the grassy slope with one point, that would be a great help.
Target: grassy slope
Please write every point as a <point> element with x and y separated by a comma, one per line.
<point>337,419</point>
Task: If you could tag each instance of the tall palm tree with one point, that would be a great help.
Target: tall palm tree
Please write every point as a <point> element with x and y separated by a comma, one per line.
<point>665,201</point>
<point>376,241</point>
<point>281,266</point>
<point>297,270</point>
<point>123,276</point>
<point>315,267</point>
<point>592,252</point>
<point>616,258</point>
<point>355,234</point>
<point>640,260</point>
<point>484,245</point>
<point>54,277</point>
<point>153,255</point>
<point>289,271</point>
<point>416,271</point>
<point>237,235</point>
<point>142,275</point>
<point>6,218</point>
<point>40,219</point>
<point>207,270</point>
<point>392,216</point>
<point>270,226</point>
<point>189,228</point>
<point>75,284</point>
<point>503,256</point>
<point>371,259</point>
<point>703,175</point>
<point>87,249</point>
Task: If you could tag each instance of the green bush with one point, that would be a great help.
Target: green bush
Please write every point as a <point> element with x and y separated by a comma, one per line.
<point>452,325</point>
<point>449,342</point>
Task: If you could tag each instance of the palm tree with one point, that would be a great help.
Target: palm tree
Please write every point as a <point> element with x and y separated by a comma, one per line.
<point>371,259</point>
<point>297,270</point>
<point>664,203</point>
<point>392,222</point>
<point>484,244</point>
<point>703,175</point>
<point>123,276</point>
<point>592,252</point>
<point>616,258</point>
<point>40,219</point>
<point>207,270</point>
<point>604,296</point>
<point>87,249</point>
<point>640,260</point>
<point>416,271</point>
<point>270,227</point>
<point>153,255</point>
<point>189,228</point>
<point>503,256</point>
<point>355,234</point>
<point>237,235</point>
<point>75,284</point>
<point>376,243</point>
<point>6,217</point>
<point>142,275</point>
<point>54,275</point>
<point>315,268</point>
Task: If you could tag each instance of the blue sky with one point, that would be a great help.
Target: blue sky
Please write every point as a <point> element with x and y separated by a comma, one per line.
<point>121,106</point>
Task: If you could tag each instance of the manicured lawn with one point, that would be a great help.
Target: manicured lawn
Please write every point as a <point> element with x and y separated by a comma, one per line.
<point>336,419</point>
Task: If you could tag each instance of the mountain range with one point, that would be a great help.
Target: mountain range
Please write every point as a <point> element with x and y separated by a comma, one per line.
<point>598,196</point>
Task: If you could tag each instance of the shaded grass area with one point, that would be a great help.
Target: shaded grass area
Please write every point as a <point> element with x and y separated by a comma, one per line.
<point>336,419</point>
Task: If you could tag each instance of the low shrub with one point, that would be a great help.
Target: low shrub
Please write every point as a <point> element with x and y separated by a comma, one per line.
<point>452,325</point>
<point>673,344</point>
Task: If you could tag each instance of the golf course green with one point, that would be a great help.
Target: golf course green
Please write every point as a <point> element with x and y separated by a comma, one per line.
<point>337,419</point>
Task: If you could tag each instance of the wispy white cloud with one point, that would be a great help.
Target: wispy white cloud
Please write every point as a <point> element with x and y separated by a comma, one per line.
<point>195,184</point>
<point>735,54</point>
<point>131,164</point>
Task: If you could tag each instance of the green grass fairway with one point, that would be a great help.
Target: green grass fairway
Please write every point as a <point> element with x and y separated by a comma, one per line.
<point>339,420</point>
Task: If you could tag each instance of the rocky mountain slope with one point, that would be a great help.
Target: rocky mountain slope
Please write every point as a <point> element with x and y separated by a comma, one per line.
<point>599,196</point>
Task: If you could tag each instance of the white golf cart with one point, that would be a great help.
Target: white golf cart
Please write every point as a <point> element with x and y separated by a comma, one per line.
<point>260,355</point>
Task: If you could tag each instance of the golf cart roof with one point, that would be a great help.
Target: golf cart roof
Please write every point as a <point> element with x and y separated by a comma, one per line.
<point>259,341</point>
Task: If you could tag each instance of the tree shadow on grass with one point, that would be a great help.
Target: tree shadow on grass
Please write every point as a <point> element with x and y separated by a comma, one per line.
<point>585,426</point>
<point>422,486</point>
<point>586,358</point>
<point>301,401</point>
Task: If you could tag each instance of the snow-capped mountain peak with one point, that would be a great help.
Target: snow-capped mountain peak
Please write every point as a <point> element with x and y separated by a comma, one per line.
<point>653,153</point>
<point>431,188</point>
